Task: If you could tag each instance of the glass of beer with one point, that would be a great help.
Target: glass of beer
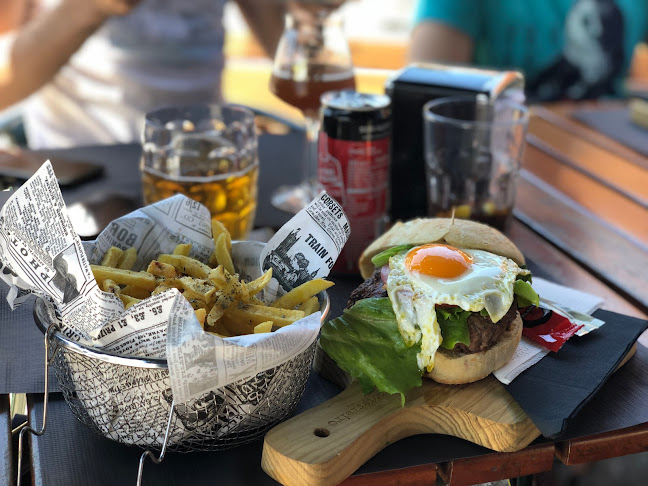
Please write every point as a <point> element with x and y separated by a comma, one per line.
<point>208,153</point>
<point>312,57</point>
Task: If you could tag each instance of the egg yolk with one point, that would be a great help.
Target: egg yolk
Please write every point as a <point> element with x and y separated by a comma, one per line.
<point>436,260</point>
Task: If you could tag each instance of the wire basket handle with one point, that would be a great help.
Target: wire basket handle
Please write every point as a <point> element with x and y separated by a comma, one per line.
<point>50,331</point>
<point>147,453</point>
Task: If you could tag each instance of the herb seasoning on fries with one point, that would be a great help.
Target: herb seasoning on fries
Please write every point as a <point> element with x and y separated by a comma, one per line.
<point>224,304</point>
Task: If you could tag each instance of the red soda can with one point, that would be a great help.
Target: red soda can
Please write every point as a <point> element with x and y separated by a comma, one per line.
<point>353,165</point>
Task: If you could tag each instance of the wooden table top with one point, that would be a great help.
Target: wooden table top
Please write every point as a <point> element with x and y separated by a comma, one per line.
<point>585,195</point>
<point>581,213</point>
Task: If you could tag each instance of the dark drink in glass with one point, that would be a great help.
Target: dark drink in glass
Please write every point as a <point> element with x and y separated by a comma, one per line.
<point>473,150</point>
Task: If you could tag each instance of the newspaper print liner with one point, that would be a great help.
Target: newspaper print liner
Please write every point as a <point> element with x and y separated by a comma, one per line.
<point>43,254</point>
<point>128,399</point>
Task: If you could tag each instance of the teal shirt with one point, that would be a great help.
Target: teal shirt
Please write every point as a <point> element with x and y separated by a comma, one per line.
<point>566,48</point>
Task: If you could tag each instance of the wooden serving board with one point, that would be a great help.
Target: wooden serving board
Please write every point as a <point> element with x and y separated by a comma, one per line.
<point>326,444</point>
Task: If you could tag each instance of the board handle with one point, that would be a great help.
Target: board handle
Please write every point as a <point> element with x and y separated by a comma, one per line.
<point>326,444</point>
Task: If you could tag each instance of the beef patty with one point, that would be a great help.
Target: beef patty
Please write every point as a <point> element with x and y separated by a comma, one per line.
<point>484,333</point>
<point>370,288</point>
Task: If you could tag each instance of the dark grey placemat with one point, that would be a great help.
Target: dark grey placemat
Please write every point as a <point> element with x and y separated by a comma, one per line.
<point>22,349</point>
<point>616,124</point>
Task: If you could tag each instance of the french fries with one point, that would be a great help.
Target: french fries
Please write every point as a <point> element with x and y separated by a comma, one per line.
<point>201,314</point>
<point>256,286</point>
<point>128,301</point>
<point>127,259</point>
<point>224,304</point>
<point>160,269</point>
<point>137,292</point>
<point>182,249</point>
<point>223,256</point>
<point>111,286</point>
<point>186,265</point>
<point>309,306</point>
<point>218,228</point>
<point>302,293</point>
<point>252,314</point>
<point>263,327</point>
<point>112,256</point>
<point>143,280</point>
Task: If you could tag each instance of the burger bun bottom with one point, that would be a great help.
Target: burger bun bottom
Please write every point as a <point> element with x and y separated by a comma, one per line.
<point>453,369</point>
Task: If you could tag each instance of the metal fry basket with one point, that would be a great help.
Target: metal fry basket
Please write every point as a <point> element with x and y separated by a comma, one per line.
<point>129,399</point>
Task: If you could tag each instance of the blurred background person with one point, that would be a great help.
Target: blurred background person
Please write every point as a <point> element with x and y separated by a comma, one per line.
<point>577,49</point>
<point>93,68</point>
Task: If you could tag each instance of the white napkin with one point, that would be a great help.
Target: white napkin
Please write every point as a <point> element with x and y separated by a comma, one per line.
<point>528,352</point>
<point>567,297</point>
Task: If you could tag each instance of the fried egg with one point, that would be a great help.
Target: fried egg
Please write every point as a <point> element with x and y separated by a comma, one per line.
<point>434,274</point>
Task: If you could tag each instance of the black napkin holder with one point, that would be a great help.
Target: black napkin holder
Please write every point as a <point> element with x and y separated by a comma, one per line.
<point>409,89</point>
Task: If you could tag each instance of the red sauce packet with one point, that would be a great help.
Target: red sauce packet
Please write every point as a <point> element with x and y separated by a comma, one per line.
<point>547,328</point>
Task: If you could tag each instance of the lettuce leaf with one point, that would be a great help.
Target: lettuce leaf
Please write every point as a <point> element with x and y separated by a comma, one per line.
<point>525,294</point>
<point>383,257</point>
<point>454,326</point>
<point>366,343</point>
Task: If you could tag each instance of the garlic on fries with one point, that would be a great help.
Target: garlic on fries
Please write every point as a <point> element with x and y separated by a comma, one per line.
<point>223,303</point>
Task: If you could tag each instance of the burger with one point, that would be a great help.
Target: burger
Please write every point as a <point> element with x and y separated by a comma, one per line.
<point>440,299</point>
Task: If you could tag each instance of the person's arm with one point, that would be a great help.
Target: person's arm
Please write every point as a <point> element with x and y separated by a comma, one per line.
<point>31,54</point>
<point>435,41</point>
<point>12,13</point>
<point>266,21</point>
<point>444,30</point>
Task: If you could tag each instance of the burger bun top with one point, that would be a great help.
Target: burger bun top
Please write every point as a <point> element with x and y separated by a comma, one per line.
<point>461,233</point>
